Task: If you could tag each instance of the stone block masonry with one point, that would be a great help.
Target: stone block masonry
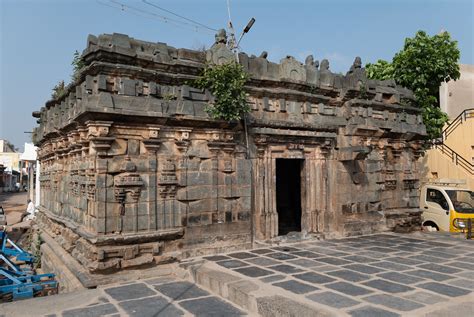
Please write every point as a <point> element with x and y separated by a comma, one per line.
<point>134,172</point>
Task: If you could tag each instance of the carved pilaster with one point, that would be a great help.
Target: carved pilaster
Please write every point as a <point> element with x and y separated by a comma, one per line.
<point>127,183</point>
<point>326,147</point>
<point>97,134</point>
<point>152,143</point>
<point>182,139</point>
<point>167,180</point>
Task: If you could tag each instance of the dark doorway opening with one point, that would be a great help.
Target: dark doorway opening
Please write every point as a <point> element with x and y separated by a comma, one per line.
<point>288,194</point>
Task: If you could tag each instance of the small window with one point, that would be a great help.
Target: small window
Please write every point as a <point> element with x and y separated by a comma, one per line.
<point>435,196</point>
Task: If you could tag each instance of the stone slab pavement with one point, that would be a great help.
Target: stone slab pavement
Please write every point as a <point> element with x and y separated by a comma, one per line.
<point>164,296</point>
<point>375,275</point>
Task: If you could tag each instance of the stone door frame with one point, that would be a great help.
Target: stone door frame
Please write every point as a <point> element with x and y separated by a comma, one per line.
<point>313,186</point>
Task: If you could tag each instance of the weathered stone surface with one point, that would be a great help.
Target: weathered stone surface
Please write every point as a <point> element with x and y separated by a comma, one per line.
<point>282,306</point>
<point>210,306</point>
<point>181,290</point>
<point>296,287</point>
<point>333,300</point>
<point>151,306</point>
<point>135,172</point>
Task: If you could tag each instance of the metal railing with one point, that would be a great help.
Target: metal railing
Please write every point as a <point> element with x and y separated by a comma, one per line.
<point>455,157</point>
<point>463,116</point>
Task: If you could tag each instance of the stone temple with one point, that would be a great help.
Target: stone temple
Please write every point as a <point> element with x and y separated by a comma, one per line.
<point>134,172</point>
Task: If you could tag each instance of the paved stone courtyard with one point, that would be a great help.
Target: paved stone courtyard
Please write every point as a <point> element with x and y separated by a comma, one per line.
<point>153,297</point>
<point>376,275</point>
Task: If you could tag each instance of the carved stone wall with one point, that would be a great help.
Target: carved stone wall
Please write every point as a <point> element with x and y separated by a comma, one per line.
<point>135,172</point>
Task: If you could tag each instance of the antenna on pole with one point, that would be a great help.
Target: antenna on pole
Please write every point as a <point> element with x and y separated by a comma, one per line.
<point>231,43</point>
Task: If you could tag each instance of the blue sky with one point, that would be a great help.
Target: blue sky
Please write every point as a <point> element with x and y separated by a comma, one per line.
<point>39,37</point>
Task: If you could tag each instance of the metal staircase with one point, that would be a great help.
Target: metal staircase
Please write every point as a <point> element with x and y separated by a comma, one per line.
<point>455,157</point>
<point>462,117</point>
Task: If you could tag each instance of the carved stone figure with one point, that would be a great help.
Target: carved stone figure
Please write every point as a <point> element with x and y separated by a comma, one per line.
<point>221,37</point>
<point>264,54</point>
<point>219,53</point>
<point>291,68</point>
<point>356,76</point>
<point>324,65</point>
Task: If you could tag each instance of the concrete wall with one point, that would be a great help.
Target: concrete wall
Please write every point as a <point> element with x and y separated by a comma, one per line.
<point>455,96</point>
<point>437,165</point>
<point>461,139</point>
<point>11,160</point>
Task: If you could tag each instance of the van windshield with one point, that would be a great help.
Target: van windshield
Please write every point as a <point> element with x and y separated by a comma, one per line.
<point>463,200</point>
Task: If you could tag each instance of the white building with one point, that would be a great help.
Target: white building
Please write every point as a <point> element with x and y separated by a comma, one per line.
<point>10,160</point>
<point>28,163</point>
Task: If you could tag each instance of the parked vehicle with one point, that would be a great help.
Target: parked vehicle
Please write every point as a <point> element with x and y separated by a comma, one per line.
<point>447,206</point>
<point>3,217</point>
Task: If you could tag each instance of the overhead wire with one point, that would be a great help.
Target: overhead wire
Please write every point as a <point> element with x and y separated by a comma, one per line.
<point>151,15</point>
<point>179,16</point>
<point>161,17</point>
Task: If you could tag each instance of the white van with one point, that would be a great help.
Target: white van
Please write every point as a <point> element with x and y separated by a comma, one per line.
<point>446,206</point>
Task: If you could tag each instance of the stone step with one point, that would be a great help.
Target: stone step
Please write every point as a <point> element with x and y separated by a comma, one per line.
<point>254,296</point>
<point>364,226</point>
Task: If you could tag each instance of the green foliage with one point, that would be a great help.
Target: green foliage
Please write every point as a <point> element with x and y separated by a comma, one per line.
<point>77,64</point>
<point>226,83</point>
<point>381,70</point>
<point>434,120</point>
<point>422,65</point>
<point>169,97</point>
<point>425,62</point>
<point>59,90</point>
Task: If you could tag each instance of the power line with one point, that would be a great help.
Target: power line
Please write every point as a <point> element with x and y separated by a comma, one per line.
<point>150,15</point>
<point>179,16</point>
<point>164,18</point>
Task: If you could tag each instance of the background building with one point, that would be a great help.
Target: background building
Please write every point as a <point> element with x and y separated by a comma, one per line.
<point>454,158</point>
<point>28,169</point>
<point>10,159</point>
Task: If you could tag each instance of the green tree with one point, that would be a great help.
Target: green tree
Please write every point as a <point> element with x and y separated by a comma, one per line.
<point>422,65</point>
<point>226,83</point>
<point>381,70</point>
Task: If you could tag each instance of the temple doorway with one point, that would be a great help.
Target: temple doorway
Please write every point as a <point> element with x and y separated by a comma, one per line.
<point>288,194</point>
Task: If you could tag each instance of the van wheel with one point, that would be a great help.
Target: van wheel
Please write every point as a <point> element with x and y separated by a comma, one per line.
<point>431,224</point>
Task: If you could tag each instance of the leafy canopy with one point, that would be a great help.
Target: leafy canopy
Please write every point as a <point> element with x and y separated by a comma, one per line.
<point>422,65</point>
<point>226,83</point>
<point>426,61</point>
<point>381,70</point>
